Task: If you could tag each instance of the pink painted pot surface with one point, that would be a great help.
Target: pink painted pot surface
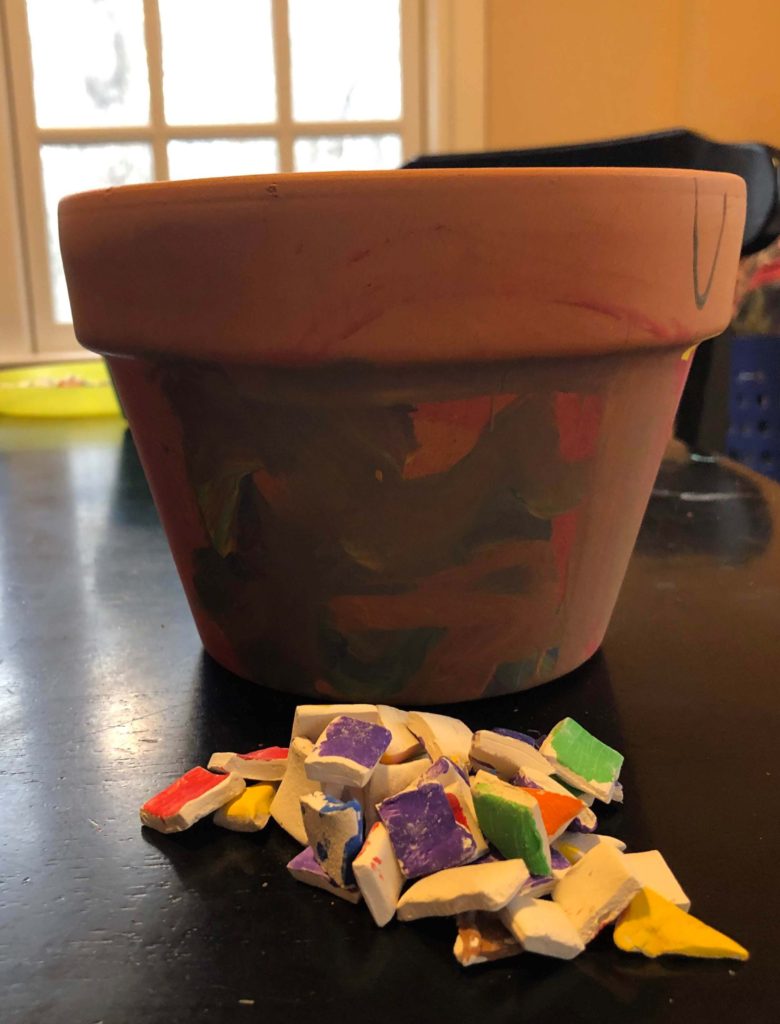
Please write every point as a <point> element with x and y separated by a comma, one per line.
<point>401,427</point>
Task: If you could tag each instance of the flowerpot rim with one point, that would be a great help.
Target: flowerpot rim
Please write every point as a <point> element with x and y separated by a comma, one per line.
<point>394,267</point>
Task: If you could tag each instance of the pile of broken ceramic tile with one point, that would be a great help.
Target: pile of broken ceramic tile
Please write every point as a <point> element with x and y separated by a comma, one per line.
<point>419,817</point>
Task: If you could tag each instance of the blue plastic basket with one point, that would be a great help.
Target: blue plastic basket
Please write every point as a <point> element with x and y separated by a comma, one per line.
<point>754,403</point>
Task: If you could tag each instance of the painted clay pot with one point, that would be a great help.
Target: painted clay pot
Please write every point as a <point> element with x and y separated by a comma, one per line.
<point>401,428</point>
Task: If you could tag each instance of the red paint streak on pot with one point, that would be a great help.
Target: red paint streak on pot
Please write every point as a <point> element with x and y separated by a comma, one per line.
<point>578,419</point>
<point>447,431</point>
<point>671,331</point>
<point>564,533</point>
<point>274,489</point>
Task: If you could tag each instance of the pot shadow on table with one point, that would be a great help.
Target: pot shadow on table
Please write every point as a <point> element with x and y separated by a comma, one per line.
<point>222,871</point>
<point>131,502</point>
<point>228,709</point>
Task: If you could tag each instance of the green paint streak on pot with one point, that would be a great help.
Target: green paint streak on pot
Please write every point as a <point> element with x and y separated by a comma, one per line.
<point>512,676</point>
<point>299,480</point>
<point>547,663</point>
<point>377,663</point>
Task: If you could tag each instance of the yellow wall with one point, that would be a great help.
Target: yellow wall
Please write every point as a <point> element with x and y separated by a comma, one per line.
<point>568,70</point>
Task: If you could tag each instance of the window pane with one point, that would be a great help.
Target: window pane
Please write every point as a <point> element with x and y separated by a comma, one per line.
<point>348,153</point>
<point>216,158</point>
<point>69,169</point>
<point>89,62</point>
<point>218,61</point>
<point>346,60</point>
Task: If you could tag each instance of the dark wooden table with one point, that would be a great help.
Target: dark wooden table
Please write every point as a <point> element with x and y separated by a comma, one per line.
<point>105,695</point>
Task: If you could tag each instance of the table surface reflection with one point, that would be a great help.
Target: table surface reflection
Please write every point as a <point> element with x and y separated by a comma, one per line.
<point>105,694</point>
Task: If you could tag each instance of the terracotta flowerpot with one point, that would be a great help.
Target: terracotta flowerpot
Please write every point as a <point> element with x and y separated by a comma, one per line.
<point>401,428</point>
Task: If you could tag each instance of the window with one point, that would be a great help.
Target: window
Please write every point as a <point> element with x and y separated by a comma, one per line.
<point>112,92</point>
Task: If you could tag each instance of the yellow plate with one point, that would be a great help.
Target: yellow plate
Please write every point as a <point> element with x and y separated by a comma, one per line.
<point>57,390</point>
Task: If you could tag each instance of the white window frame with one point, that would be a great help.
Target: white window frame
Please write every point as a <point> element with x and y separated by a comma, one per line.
<point>443,66</point>
<point>15,314</point>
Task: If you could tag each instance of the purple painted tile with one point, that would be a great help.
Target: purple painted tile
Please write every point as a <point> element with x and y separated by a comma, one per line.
<point>306,861</point>
<point>443,766</point>
<point>557,861</point>
<point>424,833</point>
<point>523,737</point>
<point>488,858</point>
<point>537,882</point>
<point>577,826</point>
<point>361,742</point>
<point>524,781</point>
